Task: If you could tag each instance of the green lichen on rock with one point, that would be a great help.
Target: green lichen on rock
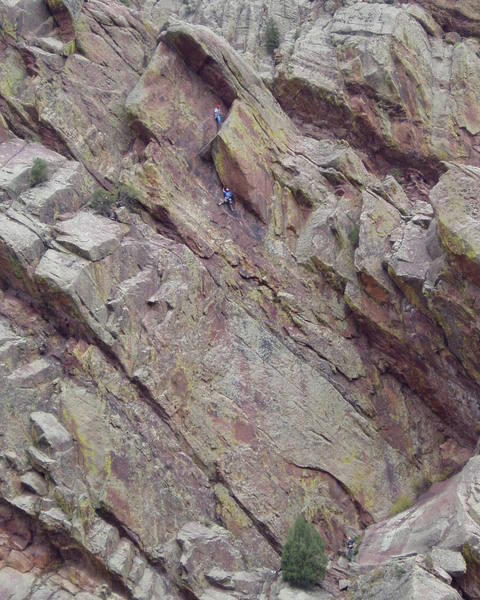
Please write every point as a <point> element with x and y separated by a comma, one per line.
<point>228,510</point>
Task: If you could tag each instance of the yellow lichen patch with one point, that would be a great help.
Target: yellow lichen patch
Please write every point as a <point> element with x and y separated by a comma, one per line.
<point>84,414</point>
<point>12,75</point>
<point>228,511</point>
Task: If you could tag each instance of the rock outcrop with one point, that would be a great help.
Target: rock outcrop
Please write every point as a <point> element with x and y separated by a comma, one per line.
<point>179,382</point>
<point>443,525</point>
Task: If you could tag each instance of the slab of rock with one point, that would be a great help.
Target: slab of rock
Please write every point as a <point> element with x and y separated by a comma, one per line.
<point>377,221</point>
<point>35,483</point>
<point>206,547</point>
<point>39,460</point>
<point>102,539</point>
<point>242,159</point>
<point>56,520</point>
<point>411,260</point>
<point>20,249</point>
<point>447,517</point>
<point>15,585</point>
<point>35,373</point>
<point>396,195</point>
<point>120,562</point>
<point>90,236</point>
<point>450,561</point>
<point>454,200</point>
<point>399,580</point>
<point>49,433</point>
<point>248,584</point>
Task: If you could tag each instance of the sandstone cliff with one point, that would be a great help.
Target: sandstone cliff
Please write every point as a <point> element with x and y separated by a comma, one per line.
<point>179,382</point>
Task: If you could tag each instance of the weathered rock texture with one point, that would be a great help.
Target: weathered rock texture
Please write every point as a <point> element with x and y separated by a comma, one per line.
<point>179,382</point>
<point>387,75</point>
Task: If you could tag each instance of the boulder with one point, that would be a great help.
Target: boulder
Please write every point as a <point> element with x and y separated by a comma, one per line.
<point>102,539</point>
<point>401,579</point>
<point>90,236</point>
<point>450,561</point>
<point>26,15</point>
<point>15,585</point>
<point>120,562</point>
<point>204,548</point>
<point>459,221</point>
<point>444,522</point>
<point>35,483</point>
<point>49,434</point>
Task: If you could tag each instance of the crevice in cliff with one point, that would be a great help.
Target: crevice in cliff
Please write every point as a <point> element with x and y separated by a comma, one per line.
<point>109,517</point>
<point>114,47</point>
<point>262,528</point>
<point>49,137</point>
<point>216,477</point>
<point>365,518</point>
<point>378,155</point>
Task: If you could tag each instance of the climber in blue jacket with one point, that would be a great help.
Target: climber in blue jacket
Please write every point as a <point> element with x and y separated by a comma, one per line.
<point>217,115</point>
<point>227,198</point>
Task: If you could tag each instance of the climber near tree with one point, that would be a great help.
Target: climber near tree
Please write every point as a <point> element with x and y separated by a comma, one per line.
<point>350,549</point>
<point>217,115</point>
<point>227,198</point>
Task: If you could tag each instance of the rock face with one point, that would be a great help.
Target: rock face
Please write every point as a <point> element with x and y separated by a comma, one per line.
<point>445,518</point>
<point>402,579</point>
<point>442,525</point>
<point>242,24</point>
<point>382,72</point>
<point>179,382</point>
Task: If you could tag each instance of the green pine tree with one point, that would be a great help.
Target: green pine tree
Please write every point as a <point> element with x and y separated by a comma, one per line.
<point>272,36</point>
<point>304,561</point>
<point>38,172</point>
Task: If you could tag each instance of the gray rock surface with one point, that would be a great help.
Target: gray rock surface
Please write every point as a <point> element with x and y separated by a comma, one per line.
<point>450,561</point>
<point>48,433</point>
<point>197,378</point>
<point>399,580</point>
<point>446,517</point>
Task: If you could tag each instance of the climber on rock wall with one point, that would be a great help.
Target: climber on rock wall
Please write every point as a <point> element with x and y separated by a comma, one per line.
<point>350,549</point>
<point>227,198</point>
<point>217,115</point>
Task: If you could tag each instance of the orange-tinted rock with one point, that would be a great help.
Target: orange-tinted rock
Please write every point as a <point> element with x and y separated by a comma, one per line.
<point>19,561</point>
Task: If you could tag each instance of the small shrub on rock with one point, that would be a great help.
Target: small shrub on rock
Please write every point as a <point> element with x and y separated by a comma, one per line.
<point>397,174</point>
<point>354,236</point>
<point>422,484</point>
<point>272,41</point>
<point>400,504</point>
<point>304,561</point>
<point>102,202</point>
<point>129,197</point>
<point>428,561</point>
<point>38,172</point>
<point>399,571</point>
